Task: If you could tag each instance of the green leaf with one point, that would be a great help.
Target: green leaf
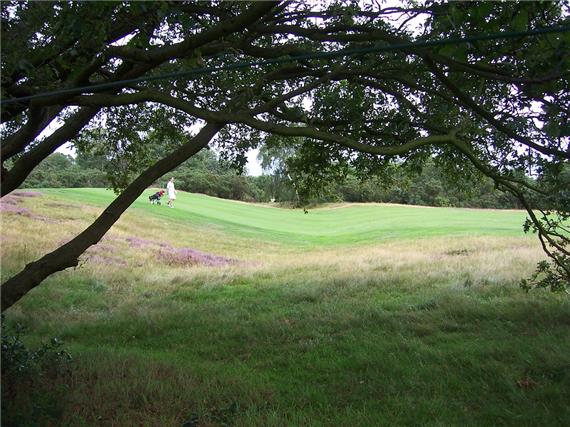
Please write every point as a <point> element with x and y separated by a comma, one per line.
<point>565,130</point>
<point>552,129</point>
<point>447,50</point>
<point>455,51</point>
<point>520,21</point>
<point>480,14</point>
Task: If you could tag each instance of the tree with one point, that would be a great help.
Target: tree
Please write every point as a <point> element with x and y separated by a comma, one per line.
<point>61,170</point>
<point>205,173</point>
<point>469,88</point>
<point>49,174</point>
<point>274,155</point>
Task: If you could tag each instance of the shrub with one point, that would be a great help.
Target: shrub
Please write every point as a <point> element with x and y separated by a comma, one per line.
<point>33,386</point>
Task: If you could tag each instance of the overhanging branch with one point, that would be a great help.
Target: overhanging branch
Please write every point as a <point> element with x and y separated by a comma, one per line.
<point>476,108</point>
<point>67,255</point>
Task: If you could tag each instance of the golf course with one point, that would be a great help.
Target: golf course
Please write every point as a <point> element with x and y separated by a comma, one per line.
<point>224,313</point>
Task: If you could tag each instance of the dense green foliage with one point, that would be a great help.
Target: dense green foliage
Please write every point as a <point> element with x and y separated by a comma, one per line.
<point>205,173</point>
<point>26,372</point>
<point>426,187</point>
<point>201,174</point>
<point>60,170</point>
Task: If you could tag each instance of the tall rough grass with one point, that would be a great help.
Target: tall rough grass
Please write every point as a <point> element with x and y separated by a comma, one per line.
<point>426,331</point>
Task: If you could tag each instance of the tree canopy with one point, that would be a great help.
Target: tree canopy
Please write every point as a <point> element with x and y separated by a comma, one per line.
<point>474,86</point>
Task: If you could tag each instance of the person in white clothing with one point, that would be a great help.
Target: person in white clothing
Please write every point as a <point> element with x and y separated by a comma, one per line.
<point>171,192</point>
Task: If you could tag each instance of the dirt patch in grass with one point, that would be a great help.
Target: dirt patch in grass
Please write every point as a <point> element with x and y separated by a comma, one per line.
<point>137,242</point>
<point>26,194</point>
<point>60,205</point>
<point>183,257</point>
<point>179,257</point>
<point>13,208</point>
<point>458,252</point>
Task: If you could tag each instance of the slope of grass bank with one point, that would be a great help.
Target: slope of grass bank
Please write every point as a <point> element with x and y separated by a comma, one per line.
<point>411,328</point>
<point>360,223</point>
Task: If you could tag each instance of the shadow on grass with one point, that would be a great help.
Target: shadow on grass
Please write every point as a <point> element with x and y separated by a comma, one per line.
<point>258,356</point>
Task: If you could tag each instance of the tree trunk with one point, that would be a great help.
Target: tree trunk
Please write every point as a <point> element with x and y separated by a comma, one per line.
<point>13,178</point>
<point>39,119</point>
<point>68,254</point>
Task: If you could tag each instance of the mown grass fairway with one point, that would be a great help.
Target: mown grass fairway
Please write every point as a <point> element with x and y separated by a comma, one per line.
<point>341,225</point>
<point>345,316</point>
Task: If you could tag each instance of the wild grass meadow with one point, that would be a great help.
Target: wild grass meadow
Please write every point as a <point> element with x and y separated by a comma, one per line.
<point>222,313</point>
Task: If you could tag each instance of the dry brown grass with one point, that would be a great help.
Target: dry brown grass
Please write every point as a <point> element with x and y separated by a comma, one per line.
<point>477,260</point>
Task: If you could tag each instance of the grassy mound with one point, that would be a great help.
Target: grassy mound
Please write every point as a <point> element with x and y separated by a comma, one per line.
<point>356,315</point>
<point>338,225</point>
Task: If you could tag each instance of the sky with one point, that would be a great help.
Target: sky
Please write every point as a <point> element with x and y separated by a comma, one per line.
<point>253,166</point>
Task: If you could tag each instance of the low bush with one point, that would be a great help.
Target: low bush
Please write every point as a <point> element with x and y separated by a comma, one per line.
<point>33,380</point>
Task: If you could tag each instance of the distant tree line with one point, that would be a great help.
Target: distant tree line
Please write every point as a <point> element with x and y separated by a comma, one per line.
<point>206,174</point>
<point>428,188</point>
<point>60,171</point>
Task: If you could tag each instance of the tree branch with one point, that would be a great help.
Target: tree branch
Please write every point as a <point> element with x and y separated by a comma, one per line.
<point>68,255</point>
<point>247,119</point>
<point>471,104</point>
<point>38,120</point>
<point>27,162</point>
<point>492,73</point>
<point>217,32</point>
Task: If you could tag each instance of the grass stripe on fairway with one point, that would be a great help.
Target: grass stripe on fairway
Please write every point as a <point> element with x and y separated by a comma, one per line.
<point>348,224</point>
